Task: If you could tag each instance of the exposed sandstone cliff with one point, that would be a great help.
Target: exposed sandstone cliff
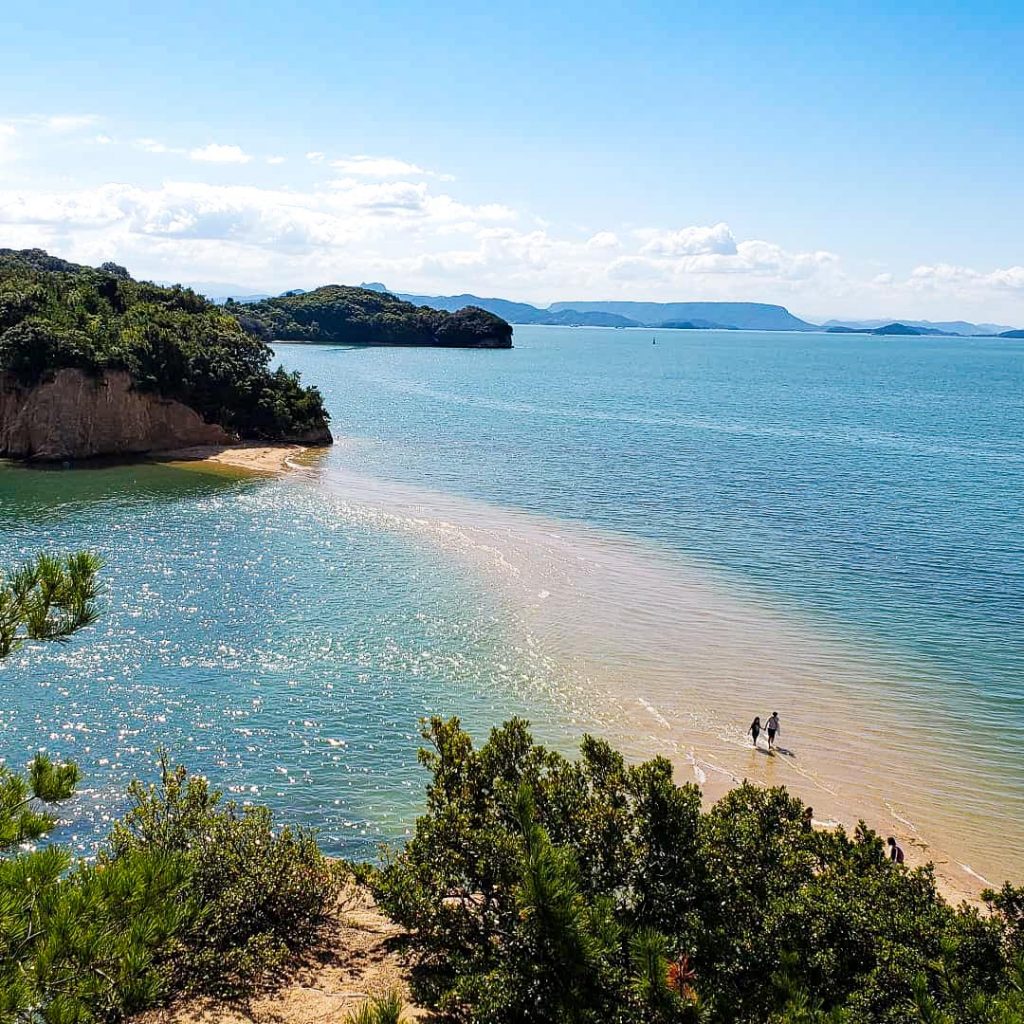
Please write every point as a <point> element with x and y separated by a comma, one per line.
<point>75,416</point>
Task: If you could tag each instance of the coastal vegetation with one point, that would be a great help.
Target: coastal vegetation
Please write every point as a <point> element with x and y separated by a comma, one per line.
<point>539,889</point>
<point>363,316</point>
<point>189,894</point>
<point>56,315</point>
<point>534,889</point>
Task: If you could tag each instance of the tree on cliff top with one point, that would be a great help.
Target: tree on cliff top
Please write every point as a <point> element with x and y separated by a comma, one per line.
<point>56,315</point>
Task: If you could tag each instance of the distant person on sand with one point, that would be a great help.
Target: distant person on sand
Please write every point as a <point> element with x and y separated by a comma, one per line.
<point>755,728</point>
<point>895,850</point>
<point>772,728</point>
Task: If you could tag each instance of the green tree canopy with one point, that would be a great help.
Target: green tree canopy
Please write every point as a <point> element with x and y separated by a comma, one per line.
<point>539,890</point>
<point>57,315</point>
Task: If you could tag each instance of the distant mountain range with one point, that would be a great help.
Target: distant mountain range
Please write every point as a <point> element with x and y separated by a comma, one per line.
<point>747,316</point>
<point>754,316</point>
<point>725,316</point>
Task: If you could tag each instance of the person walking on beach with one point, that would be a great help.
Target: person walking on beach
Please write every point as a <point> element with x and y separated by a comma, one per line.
<point>895,850</point>
<point>755,728</point>
<point>772,728</point>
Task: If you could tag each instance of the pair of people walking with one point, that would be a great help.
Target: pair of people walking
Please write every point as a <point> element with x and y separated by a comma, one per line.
<point>771,729</point>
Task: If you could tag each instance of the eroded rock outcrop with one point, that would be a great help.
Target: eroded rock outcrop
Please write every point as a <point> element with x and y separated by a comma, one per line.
<point>75,416</point>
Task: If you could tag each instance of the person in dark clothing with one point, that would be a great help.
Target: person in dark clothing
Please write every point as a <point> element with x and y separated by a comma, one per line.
<point>755,728</point>
<point>895,850</point>
<point>772,728</point>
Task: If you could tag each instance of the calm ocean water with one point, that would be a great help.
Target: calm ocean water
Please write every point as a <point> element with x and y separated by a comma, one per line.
<point>284,637</point>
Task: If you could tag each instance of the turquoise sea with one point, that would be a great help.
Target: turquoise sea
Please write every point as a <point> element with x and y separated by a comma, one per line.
<point>723,519</point>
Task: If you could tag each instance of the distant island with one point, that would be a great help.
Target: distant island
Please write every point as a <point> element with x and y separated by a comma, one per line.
<point>693,325</point>
<point>368,316</point>
<point>94,363</point>
<point>894,329</point>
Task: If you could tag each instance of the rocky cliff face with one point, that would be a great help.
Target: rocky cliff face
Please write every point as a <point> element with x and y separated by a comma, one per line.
<point>75,416</point>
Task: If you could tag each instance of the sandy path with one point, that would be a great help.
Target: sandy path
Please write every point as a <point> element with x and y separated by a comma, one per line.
<point>357,957</point>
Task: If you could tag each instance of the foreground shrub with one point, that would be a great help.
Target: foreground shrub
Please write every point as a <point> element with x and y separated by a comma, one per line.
<point>541,890</point>
<point>191,895</point>
<point>382,1009</point>
<point>259,894</point>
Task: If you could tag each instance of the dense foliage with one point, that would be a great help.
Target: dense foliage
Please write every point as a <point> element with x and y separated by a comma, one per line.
<point>191,895</point>
<point>258,893</point>
<point>538,889</point>
<point>366,317</point>
<point>56,315</point>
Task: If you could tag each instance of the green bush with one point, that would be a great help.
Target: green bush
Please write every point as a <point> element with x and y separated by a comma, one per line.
<point>537,889</point>
<point>260,894</point>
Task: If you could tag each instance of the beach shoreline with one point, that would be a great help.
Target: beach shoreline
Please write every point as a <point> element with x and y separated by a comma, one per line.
<point>260,459</point>
<point>659,656</point>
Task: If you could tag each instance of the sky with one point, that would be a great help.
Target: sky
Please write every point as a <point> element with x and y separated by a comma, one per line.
<point>843,159</point>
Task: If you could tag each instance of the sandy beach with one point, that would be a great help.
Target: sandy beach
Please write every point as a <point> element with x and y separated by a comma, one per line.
<point>272,459</point>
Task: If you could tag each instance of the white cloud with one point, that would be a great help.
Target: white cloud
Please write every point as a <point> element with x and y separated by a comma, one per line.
<point>377,167</point>
<point>384,218</point>
<point>691,241</point>
<point>965,280</point>
<point>215,153</point>
<point>384,167</point>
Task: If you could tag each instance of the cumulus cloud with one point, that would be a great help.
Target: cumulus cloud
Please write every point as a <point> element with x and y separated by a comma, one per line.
<point>377,167</point>
<point>967,280</point>
<point>246,215</point>
<point>388,219</point>
<point>215,153</point>
<point>691,241</point>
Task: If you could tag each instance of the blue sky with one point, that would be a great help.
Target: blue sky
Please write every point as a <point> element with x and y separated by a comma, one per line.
<point>843,159</point>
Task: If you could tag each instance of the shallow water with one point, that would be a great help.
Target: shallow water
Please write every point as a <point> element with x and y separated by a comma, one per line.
<point>281,648</point>
<point>656,541</point>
